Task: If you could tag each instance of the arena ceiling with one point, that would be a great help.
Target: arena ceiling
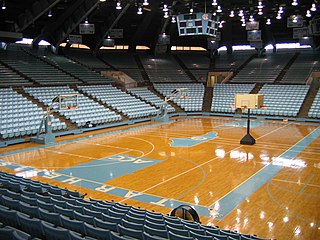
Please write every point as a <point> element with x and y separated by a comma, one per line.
<point>31,18</point>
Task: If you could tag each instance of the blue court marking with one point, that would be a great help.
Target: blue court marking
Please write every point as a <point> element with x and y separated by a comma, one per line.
<point>108,168</point>
<point>243,123</point>
<point>237,196</point>
<point>231,200</point>
<point>81,139</point>
<point>192,141</point>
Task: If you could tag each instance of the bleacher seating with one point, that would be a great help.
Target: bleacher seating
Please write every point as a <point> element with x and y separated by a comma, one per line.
<point>264,70</point>
<point>10,78</point>
<point>79,71</point>
<point>282,100</point>
<point>34,68</point>
<point>145,94</point>
<point>163,69</point>
<point>231,61</point>
<point>121,101</point>
<point>87,111</point>
<point>314,111</point>
<point>223,96</point>
<point>112,221</point>
<point>86,58</point>
<point>124,62</point>
<point>301,68</point>
<point>20,117</point>
<point>195,91</point>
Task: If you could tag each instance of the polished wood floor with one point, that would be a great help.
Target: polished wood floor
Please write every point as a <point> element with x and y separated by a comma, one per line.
<point>204,171</point>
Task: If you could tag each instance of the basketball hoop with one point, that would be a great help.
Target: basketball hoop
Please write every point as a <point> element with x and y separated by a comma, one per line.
<point>72,108</point>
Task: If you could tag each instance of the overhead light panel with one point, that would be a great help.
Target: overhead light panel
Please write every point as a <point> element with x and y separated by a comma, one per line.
<point>145,3</point>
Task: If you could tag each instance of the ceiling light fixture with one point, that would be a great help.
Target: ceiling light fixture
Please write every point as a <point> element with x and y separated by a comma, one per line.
<point>118,7</point>
<point>294,3</point>
<point>280,10</point>
<point>3,5</point>
<point>145,3</point>
<point>241,13</point>
<point>260,5</point>
<point>278,16</point>
<point>219,10</point>
<point>313,7</point>
<point>139,12</point>
<point>268,21</point>
<point>260,11</point>
<point>173,19</point>
<point>214,3</point>
<point>308,13</point>
<point>86,21</point>
<point>165,8</point>
<point>251,19</point>
<point>49,13</point>
<point>166,15</point>
<point>295,19</point>
<point>231,14</point>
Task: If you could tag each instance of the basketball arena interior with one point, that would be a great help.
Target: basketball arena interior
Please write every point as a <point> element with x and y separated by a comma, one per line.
<point>171,119</point>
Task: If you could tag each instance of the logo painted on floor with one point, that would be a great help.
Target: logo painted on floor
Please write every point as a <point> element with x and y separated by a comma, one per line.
<point>243,124</point>
<point>108,168</point>
<point>192,141</point>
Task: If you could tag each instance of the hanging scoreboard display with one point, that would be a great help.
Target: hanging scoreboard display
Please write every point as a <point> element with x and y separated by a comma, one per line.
<point>197,24</point>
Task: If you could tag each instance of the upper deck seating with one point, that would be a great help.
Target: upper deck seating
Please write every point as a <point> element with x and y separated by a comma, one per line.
<point>264,70</point>
<point>164,69</point>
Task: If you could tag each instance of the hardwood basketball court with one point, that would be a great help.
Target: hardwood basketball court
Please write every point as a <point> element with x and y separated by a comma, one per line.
<point>271,189</point>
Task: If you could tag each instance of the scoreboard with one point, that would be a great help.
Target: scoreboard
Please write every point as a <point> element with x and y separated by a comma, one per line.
<point>197,24</point>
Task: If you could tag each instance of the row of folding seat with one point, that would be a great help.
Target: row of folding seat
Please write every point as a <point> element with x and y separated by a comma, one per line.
<point>77,214</point>
<point>123,102</point>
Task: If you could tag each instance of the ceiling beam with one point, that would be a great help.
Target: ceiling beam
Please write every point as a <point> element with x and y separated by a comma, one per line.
<point>107,30</point>
<point>145,23</point>
<point>38,9</point>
